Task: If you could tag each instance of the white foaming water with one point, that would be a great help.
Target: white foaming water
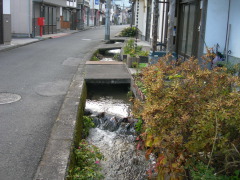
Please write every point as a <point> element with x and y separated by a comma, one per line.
<point>122,160</point>
<point>109,105</point>
<point>115,51</point>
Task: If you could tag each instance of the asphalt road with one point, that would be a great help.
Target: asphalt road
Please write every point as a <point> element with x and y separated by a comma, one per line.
<point>41,74</point>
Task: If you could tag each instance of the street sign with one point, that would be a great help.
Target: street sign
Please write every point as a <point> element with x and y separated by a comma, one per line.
<point>96,2</point>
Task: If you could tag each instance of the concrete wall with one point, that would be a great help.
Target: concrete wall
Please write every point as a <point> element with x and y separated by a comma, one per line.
<point>21,17</point>
<point>216,23</point>
<point>141,17</point>
<point>234,42</point>
<point>6,22</point>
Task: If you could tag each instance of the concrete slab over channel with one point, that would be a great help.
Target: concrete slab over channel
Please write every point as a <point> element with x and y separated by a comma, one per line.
<point>107,72</point>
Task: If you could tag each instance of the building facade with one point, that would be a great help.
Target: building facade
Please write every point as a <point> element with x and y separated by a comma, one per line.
<point>59,16</point>
<point>198,25</point>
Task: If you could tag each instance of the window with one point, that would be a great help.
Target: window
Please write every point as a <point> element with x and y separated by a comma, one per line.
<point>66,15</point>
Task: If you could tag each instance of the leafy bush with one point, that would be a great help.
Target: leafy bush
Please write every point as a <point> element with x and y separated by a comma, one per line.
<point>143,65</point>
<point>87,125</point>
<point>133,51</point>
<point>95,58</point>
<point>88,159</point>
<point>116,56</point>
<point>232,69</point>
<point>190,113</point>
<point>138,126</point>
<point>128,32</point>
<point>201,171</point>
<point>143,53</point>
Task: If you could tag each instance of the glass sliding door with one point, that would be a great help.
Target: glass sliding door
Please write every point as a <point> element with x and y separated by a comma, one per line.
<point>187,28</point>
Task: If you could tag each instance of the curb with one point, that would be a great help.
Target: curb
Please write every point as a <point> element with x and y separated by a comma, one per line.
<point>20,45</point>
<point>57,154</point>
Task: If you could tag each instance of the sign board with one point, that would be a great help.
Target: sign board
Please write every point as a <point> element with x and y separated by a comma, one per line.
<point>96,2</point>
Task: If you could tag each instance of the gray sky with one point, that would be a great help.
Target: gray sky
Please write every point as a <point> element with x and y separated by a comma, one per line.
<point>121,2</point>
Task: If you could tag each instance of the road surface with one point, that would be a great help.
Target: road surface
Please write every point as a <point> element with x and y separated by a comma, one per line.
<point>40,74</point>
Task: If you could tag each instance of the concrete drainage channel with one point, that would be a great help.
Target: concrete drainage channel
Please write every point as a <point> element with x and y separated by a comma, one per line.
<point>66,132</point>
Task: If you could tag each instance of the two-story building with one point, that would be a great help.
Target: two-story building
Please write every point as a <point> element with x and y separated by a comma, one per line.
<point>83,15</point>
<point>59,15</point>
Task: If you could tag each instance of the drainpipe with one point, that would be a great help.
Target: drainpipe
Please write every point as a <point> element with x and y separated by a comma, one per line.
<point>107,22</point>
<point>33,17</point>
<point>29,18</point>
<point>171,14</point>
<point>227,32</point>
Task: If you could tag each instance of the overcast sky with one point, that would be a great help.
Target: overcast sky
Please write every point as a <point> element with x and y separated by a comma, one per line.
<point>121,2</point>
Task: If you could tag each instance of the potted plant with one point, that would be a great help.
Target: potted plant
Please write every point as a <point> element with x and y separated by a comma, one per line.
<point>143,56</point>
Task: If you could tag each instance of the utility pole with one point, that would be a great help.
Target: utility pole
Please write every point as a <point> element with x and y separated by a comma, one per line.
<point>172,6</point>
<point>155,25</point>
<point>107,22</point>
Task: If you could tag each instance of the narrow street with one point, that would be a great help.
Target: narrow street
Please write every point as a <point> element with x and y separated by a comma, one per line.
<point>41,74</point>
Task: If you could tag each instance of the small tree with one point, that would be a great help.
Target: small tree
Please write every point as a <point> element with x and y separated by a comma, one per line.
<point>190,114</point>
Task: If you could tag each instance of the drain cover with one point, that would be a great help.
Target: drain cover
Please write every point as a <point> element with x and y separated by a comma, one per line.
<point>7,98</point>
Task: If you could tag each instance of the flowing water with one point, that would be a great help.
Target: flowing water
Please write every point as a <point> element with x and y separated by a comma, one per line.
<point>114,134</point>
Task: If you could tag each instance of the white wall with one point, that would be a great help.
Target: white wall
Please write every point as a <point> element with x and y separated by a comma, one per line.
<point>234,42</point>
<point>216,24</point>
<point>6,7</point>
<point>161,21</point>
<point>141,16</point>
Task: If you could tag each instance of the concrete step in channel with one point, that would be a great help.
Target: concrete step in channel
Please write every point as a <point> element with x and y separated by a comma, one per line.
<point>107,72</point>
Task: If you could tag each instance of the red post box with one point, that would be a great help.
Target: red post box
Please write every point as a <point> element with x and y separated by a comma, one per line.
<point>41,21</point>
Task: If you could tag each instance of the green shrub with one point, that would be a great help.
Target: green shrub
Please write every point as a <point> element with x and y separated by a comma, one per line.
<point>116,56</point>
<point>202,172</point>
<point>138,126</point>
<point>133,51</point>
<point>87,125</point>
<point>142,65</point>
<point>143,53</point>
<point>231,68</point>
<point>94,58</point>
<point>88,159</point>
<point>128,32</point>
